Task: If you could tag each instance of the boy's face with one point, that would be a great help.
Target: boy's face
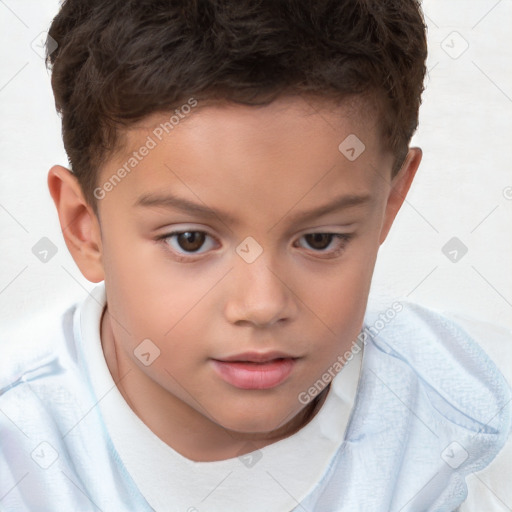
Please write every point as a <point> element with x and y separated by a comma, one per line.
<point>250,276</point>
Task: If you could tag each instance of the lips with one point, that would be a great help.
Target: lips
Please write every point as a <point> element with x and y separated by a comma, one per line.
<point>256,357</point>
<point>253,370</point>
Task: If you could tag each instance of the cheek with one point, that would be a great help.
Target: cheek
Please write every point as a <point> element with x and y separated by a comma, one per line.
<point>338,301</point>
<point>344,289</point>
<point>142,283</point>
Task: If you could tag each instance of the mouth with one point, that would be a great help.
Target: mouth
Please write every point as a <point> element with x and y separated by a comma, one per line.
<point>255,371</point>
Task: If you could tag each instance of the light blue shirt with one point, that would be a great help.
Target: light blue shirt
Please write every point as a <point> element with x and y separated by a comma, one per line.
<point>431,408</point>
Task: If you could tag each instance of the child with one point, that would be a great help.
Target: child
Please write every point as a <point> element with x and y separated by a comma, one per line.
<point>235,168</point>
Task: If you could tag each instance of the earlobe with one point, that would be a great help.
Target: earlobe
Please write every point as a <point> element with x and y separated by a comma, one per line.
<point>79,224</point>
<point>400,186</point>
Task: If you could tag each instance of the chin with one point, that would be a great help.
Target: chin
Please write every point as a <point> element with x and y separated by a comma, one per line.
<point>264,423</point>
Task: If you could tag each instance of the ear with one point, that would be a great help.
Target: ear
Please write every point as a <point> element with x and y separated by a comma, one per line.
<point>399,188</point>
<point>79,224</point>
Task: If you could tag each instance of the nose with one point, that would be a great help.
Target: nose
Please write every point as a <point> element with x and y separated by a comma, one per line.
<point>259,295</point>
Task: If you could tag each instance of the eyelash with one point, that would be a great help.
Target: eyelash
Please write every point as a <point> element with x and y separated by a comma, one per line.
<point>343,239</point>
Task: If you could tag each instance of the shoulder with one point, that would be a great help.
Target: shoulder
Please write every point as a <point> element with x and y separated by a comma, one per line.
<point>416,332</point>
<point>41,398</point>
<point>468,362</point>
<point>38,372</point>
<point>425,338</point>
<point>490,488</point>
<point>29,345</point>
<point>495,340</point>
<point>452,358</point>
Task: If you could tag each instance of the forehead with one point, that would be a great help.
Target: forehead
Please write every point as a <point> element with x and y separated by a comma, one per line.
<point>295,148</point>
<point>300,115</point>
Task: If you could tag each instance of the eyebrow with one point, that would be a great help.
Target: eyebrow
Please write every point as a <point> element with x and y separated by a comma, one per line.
<point>169,201</point>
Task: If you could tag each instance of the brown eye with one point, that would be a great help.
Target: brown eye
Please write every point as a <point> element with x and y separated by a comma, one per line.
<point>319,241</point>
<point>325,245</point>
<point>191,241</point>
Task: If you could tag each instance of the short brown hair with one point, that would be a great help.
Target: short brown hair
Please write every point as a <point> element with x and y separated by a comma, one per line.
<point>118,61</point>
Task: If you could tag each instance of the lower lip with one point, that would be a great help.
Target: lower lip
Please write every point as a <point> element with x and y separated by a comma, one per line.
<point>246,375</point>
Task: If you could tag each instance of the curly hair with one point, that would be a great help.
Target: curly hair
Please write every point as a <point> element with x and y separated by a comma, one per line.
<point>118,61</point>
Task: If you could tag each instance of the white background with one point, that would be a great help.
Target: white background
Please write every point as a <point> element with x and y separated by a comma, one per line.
<point>463,188</point>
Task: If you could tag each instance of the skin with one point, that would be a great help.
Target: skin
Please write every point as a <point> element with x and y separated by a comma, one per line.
<point>261,166</point>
